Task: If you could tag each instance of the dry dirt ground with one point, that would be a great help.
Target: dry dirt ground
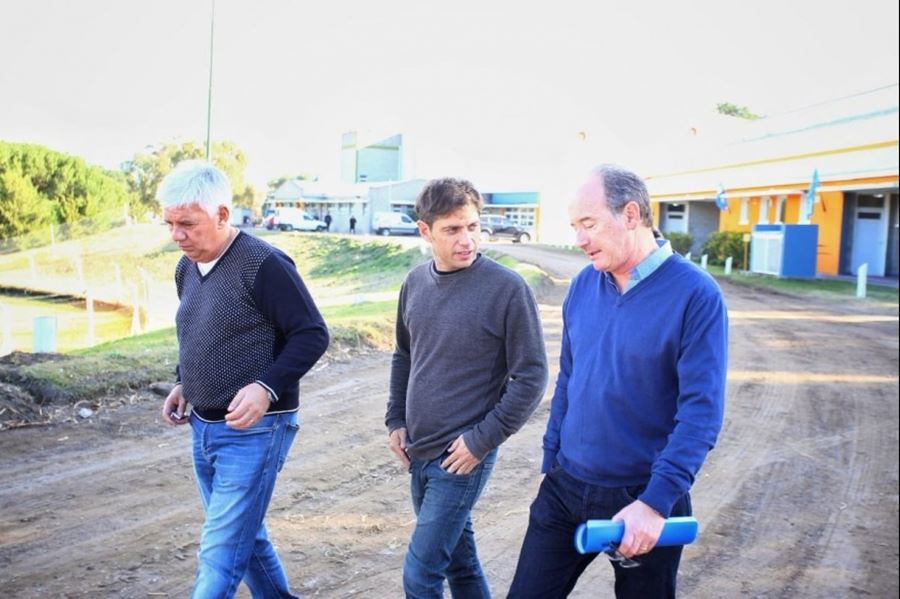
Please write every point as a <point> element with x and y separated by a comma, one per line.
<point>799,498</point>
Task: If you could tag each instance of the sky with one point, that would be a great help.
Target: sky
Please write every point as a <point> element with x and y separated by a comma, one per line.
<point>503,93</point>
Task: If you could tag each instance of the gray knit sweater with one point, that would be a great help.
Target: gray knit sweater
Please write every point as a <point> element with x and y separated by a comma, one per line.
<point>469,358</point>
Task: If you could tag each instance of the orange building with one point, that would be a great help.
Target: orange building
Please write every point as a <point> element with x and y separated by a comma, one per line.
<point>765,169</point>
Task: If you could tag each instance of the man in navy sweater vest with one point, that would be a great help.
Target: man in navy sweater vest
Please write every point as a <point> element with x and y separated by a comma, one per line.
<point>639,400</point>
<point>247,331</point>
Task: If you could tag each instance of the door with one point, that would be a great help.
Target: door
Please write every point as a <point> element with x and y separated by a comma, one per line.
<point>869,235</point>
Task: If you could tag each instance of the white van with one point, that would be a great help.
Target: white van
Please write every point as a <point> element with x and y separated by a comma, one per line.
<point>394,223</point>
<point>290,219</point>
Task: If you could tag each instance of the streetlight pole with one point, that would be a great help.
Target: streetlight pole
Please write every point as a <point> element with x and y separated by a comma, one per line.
<point>212,29</point>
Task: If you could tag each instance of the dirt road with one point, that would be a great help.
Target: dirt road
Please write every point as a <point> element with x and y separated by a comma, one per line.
<point>799,499</point>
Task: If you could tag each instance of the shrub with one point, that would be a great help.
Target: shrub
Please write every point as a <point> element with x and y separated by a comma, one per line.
<point>681,242</point>
<point>723,244</point>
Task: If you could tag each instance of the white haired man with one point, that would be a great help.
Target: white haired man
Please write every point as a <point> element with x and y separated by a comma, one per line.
<point>248,329</point>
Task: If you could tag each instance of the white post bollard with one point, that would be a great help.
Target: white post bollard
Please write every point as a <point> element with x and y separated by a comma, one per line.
<point>728,265</point>
<point>687,256</point>
<point>861,276</point>
<point>89,307</point>
<point>703,260</point>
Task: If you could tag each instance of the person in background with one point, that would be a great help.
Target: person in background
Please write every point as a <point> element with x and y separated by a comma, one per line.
<point>248,330</point>
<point>352,225</point>
<point>639,400</point>
<point>468,370</point>
<point>328,221</point>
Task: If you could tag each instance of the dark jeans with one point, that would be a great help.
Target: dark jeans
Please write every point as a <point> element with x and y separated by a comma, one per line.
<point>443,542</point>
<point>549,565</point>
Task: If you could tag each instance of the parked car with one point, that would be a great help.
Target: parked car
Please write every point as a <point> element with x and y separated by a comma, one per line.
<point>394,223</point>
<point>494,226</point>
<point>290,219</point>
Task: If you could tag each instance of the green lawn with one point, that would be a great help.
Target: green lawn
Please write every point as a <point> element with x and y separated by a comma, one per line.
<point>821,288</point>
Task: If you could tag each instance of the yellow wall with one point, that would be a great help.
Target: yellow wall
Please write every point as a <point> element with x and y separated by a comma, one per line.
<point>827,214</point>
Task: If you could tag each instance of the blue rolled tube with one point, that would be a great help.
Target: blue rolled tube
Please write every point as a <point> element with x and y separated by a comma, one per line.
<point>595,536</point>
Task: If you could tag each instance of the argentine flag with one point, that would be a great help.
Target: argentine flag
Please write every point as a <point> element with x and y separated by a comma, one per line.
<point>721,200</point>
<point>811,194</point>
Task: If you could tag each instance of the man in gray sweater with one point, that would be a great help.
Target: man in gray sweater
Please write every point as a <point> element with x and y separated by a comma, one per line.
<point>468,370</point>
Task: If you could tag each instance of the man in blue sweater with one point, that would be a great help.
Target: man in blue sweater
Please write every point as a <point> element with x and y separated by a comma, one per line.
<point>247,331</point>
<point>468,370</point>
<point>639,400</point>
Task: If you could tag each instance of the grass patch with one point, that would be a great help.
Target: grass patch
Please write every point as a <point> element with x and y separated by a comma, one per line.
<point>349,263</point>
<point>832,289</point>
<point>536,278</point>
<point>115,367</point>
<point>369,324</point>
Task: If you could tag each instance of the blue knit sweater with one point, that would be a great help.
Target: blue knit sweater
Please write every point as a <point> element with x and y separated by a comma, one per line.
<point>641,388</point>
<point>250,319</point>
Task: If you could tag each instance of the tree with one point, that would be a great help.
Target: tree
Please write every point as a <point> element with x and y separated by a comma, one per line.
<point>22,209</point>
<point>42,186</point>
<point>741,112</point>
<point>147,169</point>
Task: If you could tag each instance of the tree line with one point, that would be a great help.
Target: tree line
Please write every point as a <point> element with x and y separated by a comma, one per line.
<point>40,186</point>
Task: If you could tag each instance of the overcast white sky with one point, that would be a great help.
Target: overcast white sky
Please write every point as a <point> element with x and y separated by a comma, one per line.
<point>487,90</point>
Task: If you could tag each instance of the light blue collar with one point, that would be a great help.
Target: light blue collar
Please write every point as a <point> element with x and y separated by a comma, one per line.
<point>649,264</point>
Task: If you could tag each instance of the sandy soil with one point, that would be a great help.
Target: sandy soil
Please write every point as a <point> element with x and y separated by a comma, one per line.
<point>799,499</point>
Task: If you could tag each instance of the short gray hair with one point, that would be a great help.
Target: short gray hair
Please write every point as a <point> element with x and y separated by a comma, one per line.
<point>622,186</point>
<point>195,182</point>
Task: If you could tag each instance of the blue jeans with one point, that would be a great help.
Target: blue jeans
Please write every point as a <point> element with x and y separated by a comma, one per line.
<point>549,565</point>
<point>443,542</point>
<point>236,472</point>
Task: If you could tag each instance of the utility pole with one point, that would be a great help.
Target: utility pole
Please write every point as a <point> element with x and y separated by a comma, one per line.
<point>212,29</point>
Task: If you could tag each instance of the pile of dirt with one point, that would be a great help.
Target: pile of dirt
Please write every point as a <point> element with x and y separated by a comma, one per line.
<point>26,400</point>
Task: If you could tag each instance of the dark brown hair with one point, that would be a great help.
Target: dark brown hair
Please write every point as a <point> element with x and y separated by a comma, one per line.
<point>441,197</point>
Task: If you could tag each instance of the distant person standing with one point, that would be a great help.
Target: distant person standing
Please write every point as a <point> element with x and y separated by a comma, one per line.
<point>468,370</point>
<point>352,225</point>
<point>328,221</point>
<point>639,400</point>
<point>247,331</point>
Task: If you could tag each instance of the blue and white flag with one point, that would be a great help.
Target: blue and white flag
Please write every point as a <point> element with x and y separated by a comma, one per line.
<point>721,200</point>
<point>811,194</point>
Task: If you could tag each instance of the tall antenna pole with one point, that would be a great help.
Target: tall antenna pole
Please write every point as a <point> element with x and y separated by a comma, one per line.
<point>212,29</point>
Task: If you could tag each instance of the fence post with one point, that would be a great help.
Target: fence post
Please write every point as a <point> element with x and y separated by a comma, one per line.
<point>687,256</point>
<point>145,277</point>
<point>728,265</point>
<point>120,290</point>
<point>89,307</point>
<point>135,311</point>
<point>79,272</point>
<point>861,275</point>
<point>703,260</point>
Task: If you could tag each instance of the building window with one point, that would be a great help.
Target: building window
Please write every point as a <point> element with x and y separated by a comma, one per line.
<point>745,212</point>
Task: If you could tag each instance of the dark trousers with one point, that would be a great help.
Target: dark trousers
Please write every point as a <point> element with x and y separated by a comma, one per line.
<point>549,565</point>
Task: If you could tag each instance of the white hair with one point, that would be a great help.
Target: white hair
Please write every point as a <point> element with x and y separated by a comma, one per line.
<point>195,182</point>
